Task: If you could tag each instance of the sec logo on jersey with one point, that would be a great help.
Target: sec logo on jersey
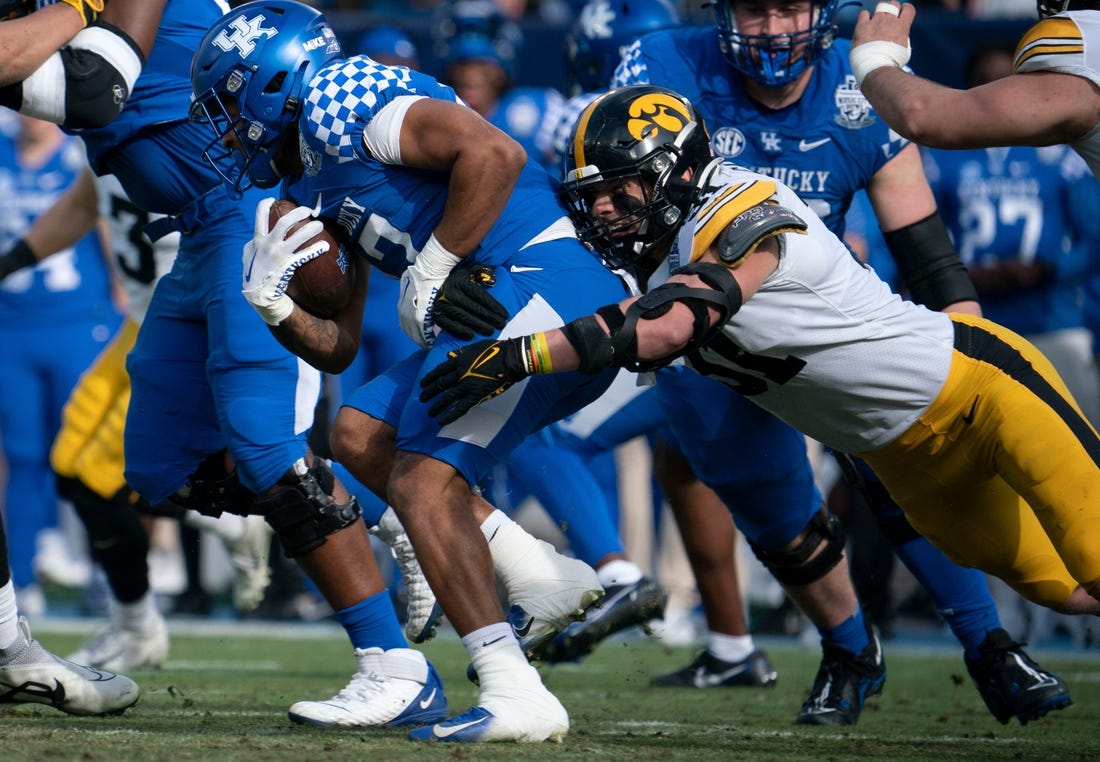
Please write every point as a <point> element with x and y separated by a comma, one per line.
<point>728,142</point>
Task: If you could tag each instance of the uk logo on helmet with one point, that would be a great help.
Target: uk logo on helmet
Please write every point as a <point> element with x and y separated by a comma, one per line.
<point>246,31</point>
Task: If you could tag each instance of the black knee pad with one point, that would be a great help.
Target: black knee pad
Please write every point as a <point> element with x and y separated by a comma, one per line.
<point>795,566</point>
<point>212,491</point>
<point>302,512</point>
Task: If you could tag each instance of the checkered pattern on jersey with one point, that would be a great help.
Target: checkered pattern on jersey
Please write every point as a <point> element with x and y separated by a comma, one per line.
<point>632,69</point>
<point>347,91</point>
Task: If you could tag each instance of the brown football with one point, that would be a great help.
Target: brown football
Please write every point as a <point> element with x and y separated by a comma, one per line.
<point>324,285</point>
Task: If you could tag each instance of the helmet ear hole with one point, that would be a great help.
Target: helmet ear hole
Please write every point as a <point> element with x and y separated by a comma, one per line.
<point>275,84</point>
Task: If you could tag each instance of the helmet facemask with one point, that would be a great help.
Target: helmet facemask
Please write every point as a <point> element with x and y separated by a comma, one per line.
<point>775,60</point>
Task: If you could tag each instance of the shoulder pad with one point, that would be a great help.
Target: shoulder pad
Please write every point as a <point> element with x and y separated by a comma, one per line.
<point>741,237</point>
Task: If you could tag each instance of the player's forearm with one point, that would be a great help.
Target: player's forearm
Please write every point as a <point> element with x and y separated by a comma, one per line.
<point>73,216</point>
<point>324,344</point>
<point>911,105</point>
<point>26,43</point>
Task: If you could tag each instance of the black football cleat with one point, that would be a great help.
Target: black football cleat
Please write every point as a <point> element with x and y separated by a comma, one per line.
<point>708,671</point>
<point>844,681</point>
<point>1011,684</point>
<point>622,606</point>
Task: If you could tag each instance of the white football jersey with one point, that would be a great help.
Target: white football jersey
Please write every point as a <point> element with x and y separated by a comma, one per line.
<point>1068,43</point>
<point>823,344</point>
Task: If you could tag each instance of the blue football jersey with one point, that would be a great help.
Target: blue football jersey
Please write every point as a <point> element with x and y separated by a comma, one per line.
<point>825,147</point>
<point>74,281</point>
<point>387,211</point>
<point>1023,205</point>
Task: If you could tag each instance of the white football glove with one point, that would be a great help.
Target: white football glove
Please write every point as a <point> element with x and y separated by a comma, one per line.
<point>272,257</point>
<point>419,285</point>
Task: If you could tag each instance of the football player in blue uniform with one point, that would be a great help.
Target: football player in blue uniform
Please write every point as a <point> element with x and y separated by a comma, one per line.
<point>420,185</point>
<point>776,89</point>
<point>219,411</point>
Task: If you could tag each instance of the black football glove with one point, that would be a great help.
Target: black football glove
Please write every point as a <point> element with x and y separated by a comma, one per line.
<point>465,308</point>
<point>471,375</point>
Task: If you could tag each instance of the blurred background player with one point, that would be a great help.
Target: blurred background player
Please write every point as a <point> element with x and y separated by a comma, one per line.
<point>775,88</point>
<point>57,317</point>
<point>478,47</point>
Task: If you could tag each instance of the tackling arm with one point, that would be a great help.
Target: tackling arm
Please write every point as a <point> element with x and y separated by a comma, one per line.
<point>637,333</point>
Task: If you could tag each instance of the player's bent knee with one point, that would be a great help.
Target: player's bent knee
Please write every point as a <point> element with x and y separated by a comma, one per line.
<point>301,509</point>
<point>819,550</point>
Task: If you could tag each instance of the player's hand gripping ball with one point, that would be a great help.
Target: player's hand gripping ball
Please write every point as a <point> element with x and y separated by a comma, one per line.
<point>323,285</point>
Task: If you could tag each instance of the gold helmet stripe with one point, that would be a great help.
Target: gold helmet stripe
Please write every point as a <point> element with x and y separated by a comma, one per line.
<point>579,159</point>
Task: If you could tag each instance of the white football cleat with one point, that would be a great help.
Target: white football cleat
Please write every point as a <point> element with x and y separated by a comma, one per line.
<point>424,612</point>
<point>528,715</point>
<point>547,591</point>
<point>119,648</point>
<point>389,688</point>
<point>29,674</point>
<point>250,555</point>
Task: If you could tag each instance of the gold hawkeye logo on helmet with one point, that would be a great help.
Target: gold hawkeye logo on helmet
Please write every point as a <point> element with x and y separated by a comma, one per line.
<point>653,113</point>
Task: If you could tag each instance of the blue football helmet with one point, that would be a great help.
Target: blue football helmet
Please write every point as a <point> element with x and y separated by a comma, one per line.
<point>476,30</point>
<point>775,59</point>
<point>603,29</point>
<point>247,79</point>
<point>643,133</point>
<point>390,45</point>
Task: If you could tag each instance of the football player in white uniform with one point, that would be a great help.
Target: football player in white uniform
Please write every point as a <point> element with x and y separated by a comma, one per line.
<point>968,425</point>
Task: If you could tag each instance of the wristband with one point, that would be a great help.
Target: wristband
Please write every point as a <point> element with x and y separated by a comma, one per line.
<point>276,312</point>
<point>536,355</point>
<point>434,260</point>
<point>869,56</point>
<point>17,257</point>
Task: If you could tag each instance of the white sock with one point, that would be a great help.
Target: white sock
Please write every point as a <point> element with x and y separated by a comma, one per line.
<point>228,526</point>
<point>619,572</point>
<point>729,647</point>
<point>509,543</point>
<point>487,637</point>
<point>496,655</point>
<point>140,615</point>
<point>9,615</point>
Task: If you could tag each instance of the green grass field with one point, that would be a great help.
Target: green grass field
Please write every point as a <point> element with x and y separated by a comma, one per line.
<point>224,696</point>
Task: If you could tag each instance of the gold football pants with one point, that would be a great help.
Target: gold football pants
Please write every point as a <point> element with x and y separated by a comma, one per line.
<point>89,445</point>
<point>1002,472</point>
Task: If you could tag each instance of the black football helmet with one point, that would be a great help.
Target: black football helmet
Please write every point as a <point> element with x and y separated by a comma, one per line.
<point>642,132</point>
<point>1053,7</point>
